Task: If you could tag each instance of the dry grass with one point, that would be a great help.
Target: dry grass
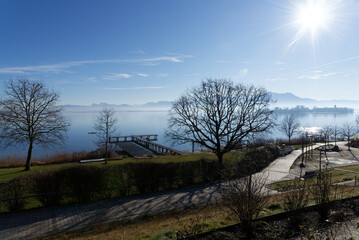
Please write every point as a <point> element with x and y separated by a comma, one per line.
<point>202,217</point>
<point>205,217</point>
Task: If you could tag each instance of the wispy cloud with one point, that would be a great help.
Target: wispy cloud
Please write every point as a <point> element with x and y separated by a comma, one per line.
<point>117,76</point>
<point>236,62</point>
<point>62,67</point>
<point>161,75</point>
<point>142,74</point>
<point>137,88</point>
<point>276,79</point>
<point>317,75</point>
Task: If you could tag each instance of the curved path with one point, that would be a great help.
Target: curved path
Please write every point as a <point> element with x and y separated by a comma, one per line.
<point>46,221</point>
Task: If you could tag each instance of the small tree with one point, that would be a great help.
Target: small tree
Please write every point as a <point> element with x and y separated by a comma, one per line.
<point>105,125</point>
<point>289,125</point>
<point>326,132</point>
<point>219,115</point>
<point>28,114</point>
<point>348,130</point>
<point>336,132</point>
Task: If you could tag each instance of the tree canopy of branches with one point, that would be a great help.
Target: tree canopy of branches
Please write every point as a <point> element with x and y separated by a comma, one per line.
<point>348,130</point>
<point>289,125</point>
<point>105,125</point>
<point>326,132</point>
<point>219,115</point>
<point>28,114</point>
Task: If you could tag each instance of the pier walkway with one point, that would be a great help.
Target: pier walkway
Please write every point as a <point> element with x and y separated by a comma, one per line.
<point>134,149</point>
<point>140,145</point>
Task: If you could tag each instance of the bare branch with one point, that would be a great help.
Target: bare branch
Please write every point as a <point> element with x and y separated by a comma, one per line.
<point>219,115</point>
<point>105,126</point>
<point>289,125</point>
<point>28,114</point>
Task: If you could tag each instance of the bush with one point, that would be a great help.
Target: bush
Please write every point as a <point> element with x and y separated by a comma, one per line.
<point>47,185</point>
<point>13,192</point>
<point>295,200</point>
<point>245,198</point>
<point>85,183</point>
<point>321,192</point>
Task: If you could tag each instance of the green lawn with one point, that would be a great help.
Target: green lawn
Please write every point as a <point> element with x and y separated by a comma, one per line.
<point>336,176</point>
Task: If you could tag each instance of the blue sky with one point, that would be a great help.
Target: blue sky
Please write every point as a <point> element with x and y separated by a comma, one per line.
<point>139,51</point>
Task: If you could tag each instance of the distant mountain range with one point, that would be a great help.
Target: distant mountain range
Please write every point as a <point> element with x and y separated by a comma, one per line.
<point>291,100</point>
<point>281,100</point>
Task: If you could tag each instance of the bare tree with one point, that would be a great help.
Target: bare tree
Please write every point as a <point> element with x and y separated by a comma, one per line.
<point>289,125</point>
<point>348,130</point>
<point>336,132</point>
<point>105,125</point>
<point>219,115</point>
<point>326,132</point>
<point>28,114</point>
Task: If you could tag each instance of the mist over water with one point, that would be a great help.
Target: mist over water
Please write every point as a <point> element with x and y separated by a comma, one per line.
<point>147,122</point>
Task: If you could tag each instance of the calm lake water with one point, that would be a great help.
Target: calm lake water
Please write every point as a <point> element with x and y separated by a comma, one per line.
<point>150,122</point>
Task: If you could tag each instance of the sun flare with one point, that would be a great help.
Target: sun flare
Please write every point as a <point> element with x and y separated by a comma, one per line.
<point>313,15</point>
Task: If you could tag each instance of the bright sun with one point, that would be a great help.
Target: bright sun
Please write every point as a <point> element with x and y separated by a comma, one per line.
<point>313,16</point>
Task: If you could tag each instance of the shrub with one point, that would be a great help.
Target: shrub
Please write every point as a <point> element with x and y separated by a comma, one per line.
<point>295,200</point>
<point>13,192</point>
<point>246,199</point>
<point>83,182</point>
<point>47,185</point>
<point>321,192</point>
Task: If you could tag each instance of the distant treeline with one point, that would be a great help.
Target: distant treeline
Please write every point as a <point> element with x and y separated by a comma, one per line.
<point>303,109</point>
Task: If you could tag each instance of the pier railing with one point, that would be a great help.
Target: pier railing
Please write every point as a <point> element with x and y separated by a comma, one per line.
<point>131,138</point>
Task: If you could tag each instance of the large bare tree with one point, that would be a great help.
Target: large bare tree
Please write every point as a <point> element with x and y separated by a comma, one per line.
<point>289,125</point>
<point>28,114</point>
<point>105,125</point>
<point>219,115</point>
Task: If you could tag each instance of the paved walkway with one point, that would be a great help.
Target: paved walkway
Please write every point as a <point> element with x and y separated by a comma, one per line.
<point>46,221</point>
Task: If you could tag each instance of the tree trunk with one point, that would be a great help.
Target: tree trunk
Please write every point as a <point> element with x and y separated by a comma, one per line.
<point>220,159</point>
<point>106,149</point>
<point>348,143</point>
<point>28,159</point>
<point>288,140</point>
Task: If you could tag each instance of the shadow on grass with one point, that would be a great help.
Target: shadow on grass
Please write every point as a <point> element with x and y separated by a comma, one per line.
<point>19,171</point>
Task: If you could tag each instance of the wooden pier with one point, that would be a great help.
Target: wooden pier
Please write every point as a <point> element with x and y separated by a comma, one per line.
<point>144,141</point>
<point>131,138</point>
